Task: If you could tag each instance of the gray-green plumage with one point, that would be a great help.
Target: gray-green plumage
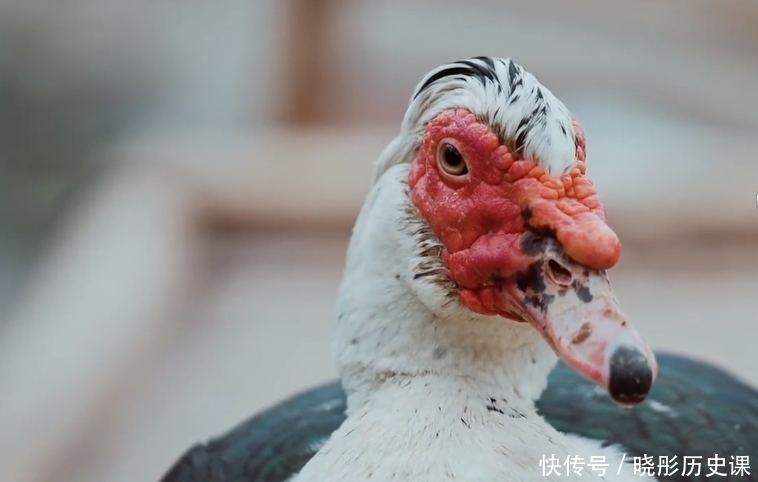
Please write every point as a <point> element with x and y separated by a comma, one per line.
<point>693,409</point>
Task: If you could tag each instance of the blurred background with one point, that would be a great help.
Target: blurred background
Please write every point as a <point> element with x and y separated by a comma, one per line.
<point>178,180</point>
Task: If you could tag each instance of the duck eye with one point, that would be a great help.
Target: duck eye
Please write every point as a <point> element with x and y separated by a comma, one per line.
<point>451,160</point>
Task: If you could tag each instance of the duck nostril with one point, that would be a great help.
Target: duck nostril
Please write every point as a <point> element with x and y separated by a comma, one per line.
<point>558,273</point>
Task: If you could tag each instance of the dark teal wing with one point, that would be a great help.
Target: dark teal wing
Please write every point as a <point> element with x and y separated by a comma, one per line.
<point>693,409</point>
<point>270,447</point>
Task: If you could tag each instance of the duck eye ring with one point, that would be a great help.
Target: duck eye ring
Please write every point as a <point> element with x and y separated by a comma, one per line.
<point>451,160</point>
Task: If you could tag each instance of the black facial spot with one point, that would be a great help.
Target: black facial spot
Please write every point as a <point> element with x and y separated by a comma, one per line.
<point>583,293</point>
<point>532,244</point>
<point>354,341</point>
<point>532,279</point>
<point>540,302</point>
<point>532,283</point>
<point>538,240</point>
<point>497,277</point>
<point>397,277</point>
<point>547,232</point>
<point>465,423</point>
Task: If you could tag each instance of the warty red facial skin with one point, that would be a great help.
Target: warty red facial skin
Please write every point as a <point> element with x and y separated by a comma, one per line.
<point>531,247</point>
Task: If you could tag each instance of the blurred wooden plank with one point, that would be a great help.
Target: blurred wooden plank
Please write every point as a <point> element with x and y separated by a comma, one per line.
<point>654,192</point>
<point>307,59</point>
<point>94,309</point>
<point>714,23</point>
<point>305,176</point>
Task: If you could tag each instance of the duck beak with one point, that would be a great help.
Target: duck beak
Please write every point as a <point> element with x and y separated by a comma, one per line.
<point>576,312</point>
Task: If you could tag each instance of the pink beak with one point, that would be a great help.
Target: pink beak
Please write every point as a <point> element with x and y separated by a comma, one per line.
<point>576,311</point>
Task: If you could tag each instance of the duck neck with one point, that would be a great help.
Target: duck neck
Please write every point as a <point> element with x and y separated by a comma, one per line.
<point>399,343</point>
<point>386,332</point>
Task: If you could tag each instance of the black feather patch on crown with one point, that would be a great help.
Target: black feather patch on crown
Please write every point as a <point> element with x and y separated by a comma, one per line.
<point>482,68</point>
<point>525,115</point>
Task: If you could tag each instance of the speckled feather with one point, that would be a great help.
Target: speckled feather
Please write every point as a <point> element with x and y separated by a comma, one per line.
<point>693,409</point>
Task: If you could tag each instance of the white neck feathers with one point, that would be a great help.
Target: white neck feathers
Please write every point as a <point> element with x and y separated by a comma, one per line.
<point>392,326</point>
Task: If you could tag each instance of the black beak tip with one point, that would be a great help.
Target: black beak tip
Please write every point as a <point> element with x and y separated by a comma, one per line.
<point>631,376</point>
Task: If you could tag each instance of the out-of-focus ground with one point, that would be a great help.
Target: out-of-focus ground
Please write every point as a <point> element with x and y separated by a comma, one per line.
<point>178,181</point>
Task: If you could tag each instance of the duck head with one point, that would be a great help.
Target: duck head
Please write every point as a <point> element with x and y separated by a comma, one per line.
<point>508,226</point>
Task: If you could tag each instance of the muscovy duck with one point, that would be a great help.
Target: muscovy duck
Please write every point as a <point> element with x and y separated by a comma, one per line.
<point>479,255</point>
